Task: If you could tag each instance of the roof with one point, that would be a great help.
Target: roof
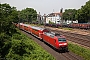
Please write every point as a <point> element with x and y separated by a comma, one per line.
<point>37,28</point>
<point>52,34</point>
<point>55,14</point>
<point>34,27</point>
<point>26,25</point>
<point>49,34</point>
<point>61,36</point>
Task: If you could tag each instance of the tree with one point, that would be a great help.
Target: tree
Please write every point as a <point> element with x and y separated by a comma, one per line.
<point>69,14</point>
<point>8,15</point>
<point>28,15</point>
<point>83,14</point>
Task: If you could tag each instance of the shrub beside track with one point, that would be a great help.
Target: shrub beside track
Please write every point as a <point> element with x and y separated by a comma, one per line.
<point>24,48</point>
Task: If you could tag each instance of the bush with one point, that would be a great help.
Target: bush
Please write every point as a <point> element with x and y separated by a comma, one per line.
<point>23,48</point>
<point>4,44</point>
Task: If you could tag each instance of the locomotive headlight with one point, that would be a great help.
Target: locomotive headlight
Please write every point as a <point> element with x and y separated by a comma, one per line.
<point>60,44</point>
<point>65,44</point>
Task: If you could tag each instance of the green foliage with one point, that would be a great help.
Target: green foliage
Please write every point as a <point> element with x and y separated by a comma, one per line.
<point>51,22</point>
<point>83,14</point>
<point>23,48</point>
<point>67,28</point>
<point>28,15</point>
<point>13,44</point>
<point>4,44</point>
<point>69,14</point>
<point>8,15</point>
<point>6,18</point>
<point>84,52</point>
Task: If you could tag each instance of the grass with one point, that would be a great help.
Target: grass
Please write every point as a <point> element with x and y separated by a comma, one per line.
<point>67,28</point>
<point>24,48</point>
<point>81,51</point>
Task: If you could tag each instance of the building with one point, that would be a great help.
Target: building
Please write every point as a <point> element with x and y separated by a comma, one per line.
<point>57,19</point>
<point>54,18</point>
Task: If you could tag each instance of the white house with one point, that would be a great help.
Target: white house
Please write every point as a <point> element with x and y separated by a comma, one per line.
<point>54,17</point>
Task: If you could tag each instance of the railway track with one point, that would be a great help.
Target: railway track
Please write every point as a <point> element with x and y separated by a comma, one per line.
<point>79,41</point>
<point>83,40</point>
<point>58,55</point>
<point>78,36</point>
<point>68,54</point>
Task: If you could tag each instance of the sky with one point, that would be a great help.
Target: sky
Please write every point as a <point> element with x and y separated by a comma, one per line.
<point>46,6</point>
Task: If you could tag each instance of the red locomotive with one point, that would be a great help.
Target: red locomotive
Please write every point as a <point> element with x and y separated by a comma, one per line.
<point>56,40</point>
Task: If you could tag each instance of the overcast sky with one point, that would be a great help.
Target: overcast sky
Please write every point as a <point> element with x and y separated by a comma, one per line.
<point>46,6</point>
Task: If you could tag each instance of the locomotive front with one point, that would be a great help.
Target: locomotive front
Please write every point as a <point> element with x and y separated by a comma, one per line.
<point>61,43</point>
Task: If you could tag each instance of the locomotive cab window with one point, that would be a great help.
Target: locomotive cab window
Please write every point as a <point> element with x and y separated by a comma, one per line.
<point>61,39</point>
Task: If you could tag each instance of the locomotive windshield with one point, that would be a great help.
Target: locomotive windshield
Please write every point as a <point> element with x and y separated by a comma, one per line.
<point>61,39</point>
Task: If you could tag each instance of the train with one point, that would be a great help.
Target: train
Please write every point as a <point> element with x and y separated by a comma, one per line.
<point>55,40</point>
<point>72,25</point>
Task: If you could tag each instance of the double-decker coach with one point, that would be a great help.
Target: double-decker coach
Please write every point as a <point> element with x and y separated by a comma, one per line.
<point>37,31</point>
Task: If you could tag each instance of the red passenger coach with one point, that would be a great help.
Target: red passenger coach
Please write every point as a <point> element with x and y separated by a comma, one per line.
<point>38,31</point>
<point>26,27</point>
<point>56,40</point>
